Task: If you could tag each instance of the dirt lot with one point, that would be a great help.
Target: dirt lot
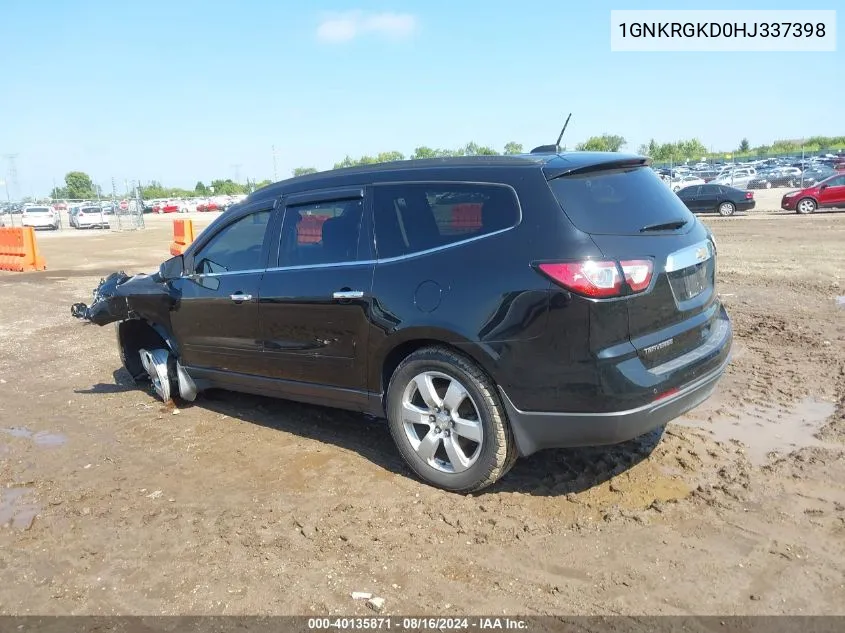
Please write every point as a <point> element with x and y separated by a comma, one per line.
<point>112,503</point>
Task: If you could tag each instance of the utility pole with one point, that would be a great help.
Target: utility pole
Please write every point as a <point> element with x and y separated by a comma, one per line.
<point>275,171</point>
<point>237,168</point>
<point>12,173</point>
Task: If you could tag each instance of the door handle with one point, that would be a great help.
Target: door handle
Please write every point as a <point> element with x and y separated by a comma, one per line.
<point>240,297</point>
<point>348,294</point>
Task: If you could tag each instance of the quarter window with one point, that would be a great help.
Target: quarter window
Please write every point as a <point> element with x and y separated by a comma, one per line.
<point>410,218</point>
<point>235,248</point>
<point>321,233</point>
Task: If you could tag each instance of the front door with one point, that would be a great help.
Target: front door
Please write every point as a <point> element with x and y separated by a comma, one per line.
<point>315,304</point>
<point>215,321</point>
<point>833,195</point>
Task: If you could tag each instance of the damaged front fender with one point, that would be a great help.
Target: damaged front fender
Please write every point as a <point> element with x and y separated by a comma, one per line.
<point>141,306</point>
<point>119,297</point>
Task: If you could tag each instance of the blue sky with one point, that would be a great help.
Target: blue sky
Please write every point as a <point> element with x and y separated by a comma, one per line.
<point>184,90</point>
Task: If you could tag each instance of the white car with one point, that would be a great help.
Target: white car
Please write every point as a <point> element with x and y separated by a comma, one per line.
<point>738,178</point>
<point>685,181</point>
<point>41,218</point>
<point>87,217</point>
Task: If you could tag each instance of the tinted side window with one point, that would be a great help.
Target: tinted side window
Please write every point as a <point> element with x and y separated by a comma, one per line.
<point>410,218</point>
<point>236,247</point>
<point>321,233</point>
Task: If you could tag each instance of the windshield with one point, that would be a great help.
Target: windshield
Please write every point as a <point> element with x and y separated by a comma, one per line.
<point>619,201</point>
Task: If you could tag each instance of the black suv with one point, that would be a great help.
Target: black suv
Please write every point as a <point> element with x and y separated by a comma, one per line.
<point>488,307</point>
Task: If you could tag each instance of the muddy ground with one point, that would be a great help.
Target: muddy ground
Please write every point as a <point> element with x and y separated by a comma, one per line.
<point>112,503</point>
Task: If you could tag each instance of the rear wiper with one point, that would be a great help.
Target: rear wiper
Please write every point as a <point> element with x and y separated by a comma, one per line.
<point>664,226</point>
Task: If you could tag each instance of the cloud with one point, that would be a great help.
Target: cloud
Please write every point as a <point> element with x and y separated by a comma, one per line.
<point>344,27</point>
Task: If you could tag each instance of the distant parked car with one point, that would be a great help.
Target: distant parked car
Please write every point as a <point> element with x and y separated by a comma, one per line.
<point>738,178</point>
<point>685,181</point>
<point>41,218</point>
<point>828,194</point>
<point>722,199</point>
<point>778,177</point>
<point>815,175</point>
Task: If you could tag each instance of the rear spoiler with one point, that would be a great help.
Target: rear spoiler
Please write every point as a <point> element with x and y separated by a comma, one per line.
<point>556,169</point>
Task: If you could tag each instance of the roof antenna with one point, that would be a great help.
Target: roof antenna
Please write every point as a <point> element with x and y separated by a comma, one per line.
<point>554,149</point>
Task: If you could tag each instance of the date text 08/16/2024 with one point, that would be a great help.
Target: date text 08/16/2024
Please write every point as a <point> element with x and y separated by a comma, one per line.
<point>417,623</point>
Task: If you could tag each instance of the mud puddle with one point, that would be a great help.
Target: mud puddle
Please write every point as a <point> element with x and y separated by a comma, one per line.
<point>15,511</point>
<point>771,429</point>
<point>39,438</point>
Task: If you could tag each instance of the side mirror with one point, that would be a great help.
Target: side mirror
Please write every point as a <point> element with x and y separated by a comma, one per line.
<point>172,268</point>
<point>823,187</point>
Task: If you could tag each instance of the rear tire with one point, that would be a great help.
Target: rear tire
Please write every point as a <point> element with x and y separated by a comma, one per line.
<point>806,206</point>
<point>448,422</point>
<point>726,209</point>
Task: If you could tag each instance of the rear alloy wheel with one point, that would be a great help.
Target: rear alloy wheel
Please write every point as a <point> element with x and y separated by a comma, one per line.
<point>727,209</point>
<point>806,206</point>
<point>447,421</point>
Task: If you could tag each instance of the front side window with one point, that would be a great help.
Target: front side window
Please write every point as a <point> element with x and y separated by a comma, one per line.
<point>410,218</point>
<point>235,248</point>
<point>321,233</point>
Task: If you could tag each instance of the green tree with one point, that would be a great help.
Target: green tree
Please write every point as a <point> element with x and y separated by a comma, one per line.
<point>603,143</point>
<point>474,149</point>
<point>228,187</point>
<point>302,171</point>
<point>513,148</point>
<point>263,183</point>
<point>79,185</point>
<point>200,189</point>
<point>388,157</point>
<point>744,146</point>
<point>59,193</point>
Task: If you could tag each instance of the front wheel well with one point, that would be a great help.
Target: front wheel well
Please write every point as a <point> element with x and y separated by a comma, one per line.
<point>134,335</point>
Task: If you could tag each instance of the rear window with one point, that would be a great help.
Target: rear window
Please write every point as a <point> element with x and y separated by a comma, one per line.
<point>91,209</point>
<point>618,202</point>
<point>38,210</point>
<point>410,218</point>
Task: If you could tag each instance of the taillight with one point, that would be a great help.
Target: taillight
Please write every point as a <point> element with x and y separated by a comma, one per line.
<point>637,273</point>
<point>749,195</point>
<point>600,279</point>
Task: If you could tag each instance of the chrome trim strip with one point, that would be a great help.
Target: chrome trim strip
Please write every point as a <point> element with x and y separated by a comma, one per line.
<point>437,249</point>
<point>716,338</point>
<point>701,382</point>
<point>689,256</point>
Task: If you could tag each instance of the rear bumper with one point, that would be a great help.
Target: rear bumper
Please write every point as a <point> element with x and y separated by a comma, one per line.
<point>534,431</point>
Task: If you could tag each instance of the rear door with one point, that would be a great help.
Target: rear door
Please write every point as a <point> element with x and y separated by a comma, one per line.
<point>215,322</point>
<point>316,298</point>
<point>630,215</point>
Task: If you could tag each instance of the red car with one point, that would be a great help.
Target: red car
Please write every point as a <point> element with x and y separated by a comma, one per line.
<point>828,194</point>
<point>167,207</point>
